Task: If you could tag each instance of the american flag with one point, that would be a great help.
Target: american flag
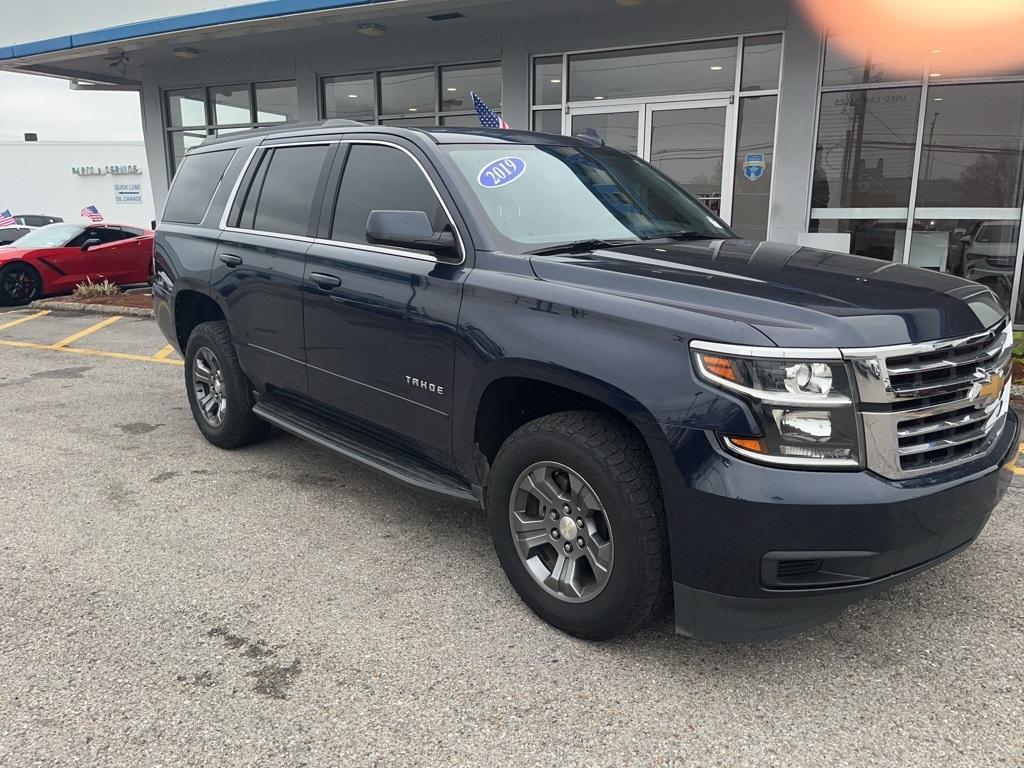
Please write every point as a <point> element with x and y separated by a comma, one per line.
<point>92,213</point>
<point>488,118</point>
<point>6,220</point>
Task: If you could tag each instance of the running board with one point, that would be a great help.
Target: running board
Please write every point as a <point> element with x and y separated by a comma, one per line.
<point>325,430</point>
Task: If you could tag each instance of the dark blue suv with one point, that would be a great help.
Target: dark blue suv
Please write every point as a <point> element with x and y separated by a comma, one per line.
<point>651,411</point>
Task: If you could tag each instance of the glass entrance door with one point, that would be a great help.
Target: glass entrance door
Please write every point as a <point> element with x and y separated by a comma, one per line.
<point>690,141</point>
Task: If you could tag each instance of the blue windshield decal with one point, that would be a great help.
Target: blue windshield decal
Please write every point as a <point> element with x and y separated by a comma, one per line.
<point>501,172</point>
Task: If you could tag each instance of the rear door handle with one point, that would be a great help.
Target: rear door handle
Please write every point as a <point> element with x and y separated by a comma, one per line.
<point>231,260</point>
<point>324,281</point>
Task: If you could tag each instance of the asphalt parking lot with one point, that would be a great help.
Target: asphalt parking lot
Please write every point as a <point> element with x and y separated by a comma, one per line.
<point>166,603</point>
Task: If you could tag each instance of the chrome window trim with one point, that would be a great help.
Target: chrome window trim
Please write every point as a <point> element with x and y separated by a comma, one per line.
<point>409,254</point>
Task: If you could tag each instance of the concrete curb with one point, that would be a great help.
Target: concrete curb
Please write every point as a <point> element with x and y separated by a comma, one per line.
<point>95,309</point>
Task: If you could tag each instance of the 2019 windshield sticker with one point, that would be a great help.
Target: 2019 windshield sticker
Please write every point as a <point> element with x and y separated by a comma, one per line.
<point>500,172</point>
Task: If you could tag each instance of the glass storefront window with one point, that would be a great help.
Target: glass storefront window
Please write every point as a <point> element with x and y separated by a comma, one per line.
<point>548,121</point>
<point>688,145</point>
<point>547,80</point>
<point>351,97</point>
<point>422,121</point>
<point>866,146</point>
<point>844,68</point>
<point>982,250</point>
<point>186,109</point>
<point>231,104</point>
<point>620,130</point>
<point>402,93</point>
<point>755,155</point>
<point>973,146</point>
<point>660,71</point>
<point>762,57</point>
<point>277,102</point>
<point>180,142</point>
<point>458,81</point>
<point>883,239</point>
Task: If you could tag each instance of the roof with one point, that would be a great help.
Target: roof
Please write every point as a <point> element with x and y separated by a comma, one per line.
<point>234,14</point>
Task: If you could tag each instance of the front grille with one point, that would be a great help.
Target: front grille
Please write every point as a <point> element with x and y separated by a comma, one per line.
<point>932,406</point>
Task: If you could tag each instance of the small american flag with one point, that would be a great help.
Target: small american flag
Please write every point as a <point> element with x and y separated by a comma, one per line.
<point>6,220</point>
<point>92,213</point>
<point>488,117</point>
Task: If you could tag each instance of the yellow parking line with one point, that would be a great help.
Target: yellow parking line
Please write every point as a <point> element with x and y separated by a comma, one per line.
<point>1013,467</point>
<point>88,352</point>
<point>164,353</point>
<point>25,319</point>
<point>82,334</point>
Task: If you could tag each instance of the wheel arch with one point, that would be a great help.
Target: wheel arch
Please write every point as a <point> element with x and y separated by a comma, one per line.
<point>515,392</point>
<point>192,308</point>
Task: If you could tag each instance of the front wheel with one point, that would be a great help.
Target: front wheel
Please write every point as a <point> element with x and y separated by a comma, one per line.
<point>19,285</point>
<point>220,395</point>
<point>576,516</point>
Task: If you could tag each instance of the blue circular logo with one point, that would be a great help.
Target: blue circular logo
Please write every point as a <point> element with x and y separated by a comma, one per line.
<point>501,172</point>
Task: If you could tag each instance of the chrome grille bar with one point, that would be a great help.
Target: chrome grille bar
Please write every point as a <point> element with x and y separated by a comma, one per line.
<point>915,420</point>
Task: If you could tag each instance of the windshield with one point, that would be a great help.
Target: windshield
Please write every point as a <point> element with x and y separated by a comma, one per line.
<point>50,236</point>
<point>536,195</point>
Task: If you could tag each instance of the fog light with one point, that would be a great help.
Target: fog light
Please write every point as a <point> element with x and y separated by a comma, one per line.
<point>805,426</point>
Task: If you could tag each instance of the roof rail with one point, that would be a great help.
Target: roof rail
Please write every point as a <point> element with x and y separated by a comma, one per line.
<point>339,122</point>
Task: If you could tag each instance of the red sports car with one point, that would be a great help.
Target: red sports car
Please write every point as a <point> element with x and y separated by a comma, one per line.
<point>55,258</point>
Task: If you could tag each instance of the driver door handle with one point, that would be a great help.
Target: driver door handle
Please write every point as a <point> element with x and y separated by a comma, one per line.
<point>324,281</point>
<point>231,260</point>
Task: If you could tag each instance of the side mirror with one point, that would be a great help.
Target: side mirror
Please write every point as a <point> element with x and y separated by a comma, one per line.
<point>90,243</point>
<point>407,229</point>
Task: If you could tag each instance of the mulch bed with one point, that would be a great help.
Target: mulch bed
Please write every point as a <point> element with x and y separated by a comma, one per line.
<point>133,300</point>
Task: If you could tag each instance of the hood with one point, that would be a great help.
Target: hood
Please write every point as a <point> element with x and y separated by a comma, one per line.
<point>797,297</point>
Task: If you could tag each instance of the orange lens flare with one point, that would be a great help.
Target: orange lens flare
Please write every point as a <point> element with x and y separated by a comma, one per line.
<point>751,444</point>
<point>720,367</point>
<point>949,37</point>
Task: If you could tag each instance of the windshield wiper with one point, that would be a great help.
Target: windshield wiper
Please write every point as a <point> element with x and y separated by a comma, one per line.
<point>682,234</point>
<point>579,246</point>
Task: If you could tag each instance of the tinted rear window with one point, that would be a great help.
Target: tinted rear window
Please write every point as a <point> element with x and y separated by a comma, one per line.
<point>194,186</point>
<point>289,190</point>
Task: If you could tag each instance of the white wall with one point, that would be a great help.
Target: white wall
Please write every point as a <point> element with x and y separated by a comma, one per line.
<point>37,178</point>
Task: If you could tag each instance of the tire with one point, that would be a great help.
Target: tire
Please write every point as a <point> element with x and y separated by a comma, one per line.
<point>604,454</point>
<point>213,377</point>
<point>20,284</point>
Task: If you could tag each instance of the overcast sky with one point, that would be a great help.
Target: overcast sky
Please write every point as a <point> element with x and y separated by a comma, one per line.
<point>47,106</point>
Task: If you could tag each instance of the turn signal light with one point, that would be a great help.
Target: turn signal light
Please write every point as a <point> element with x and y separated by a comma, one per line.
<point>747,443</point>
<point>720,367</point>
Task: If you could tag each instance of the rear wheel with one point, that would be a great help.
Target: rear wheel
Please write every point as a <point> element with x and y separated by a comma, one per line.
<point>220,395</point>
<point>577,521</point>
<point>19,285</point>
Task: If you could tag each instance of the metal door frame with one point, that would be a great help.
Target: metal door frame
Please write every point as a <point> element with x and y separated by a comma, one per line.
<point>645,109</point>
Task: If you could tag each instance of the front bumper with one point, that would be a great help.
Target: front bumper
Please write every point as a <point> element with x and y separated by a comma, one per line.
<point>760,553</point>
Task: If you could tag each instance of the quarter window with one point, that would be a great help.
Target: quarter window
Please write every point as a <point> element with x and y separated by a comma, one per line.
<point>289,190</point>
<point>385,179</point>
<point>197,181</point>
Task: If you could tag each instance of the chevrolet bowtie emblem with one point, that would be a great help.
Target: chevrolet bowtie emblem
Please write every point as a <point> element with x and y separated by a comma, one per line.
<point>988,386</point>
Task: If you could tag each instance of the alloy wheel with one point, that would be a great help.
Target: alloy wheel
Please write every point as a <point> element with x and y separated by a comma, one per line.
<point>19,284</point>
<point>561,532</point>
<point>208,385</point>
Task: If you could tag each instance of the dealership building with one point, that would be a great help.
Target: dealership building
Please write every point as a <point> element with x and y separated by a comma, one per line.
<point>761,116</point>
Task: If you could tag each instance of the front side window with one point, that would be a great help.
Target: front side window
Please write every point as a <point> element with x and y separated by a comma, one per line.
<point>546,195</point>
<point>380,178</point>
<point>288,192</point>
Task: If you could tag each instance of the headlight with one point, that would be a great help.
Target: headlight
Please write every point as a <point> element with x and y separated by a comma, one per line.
<point>804,405</point>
